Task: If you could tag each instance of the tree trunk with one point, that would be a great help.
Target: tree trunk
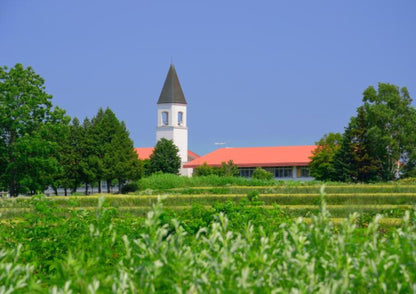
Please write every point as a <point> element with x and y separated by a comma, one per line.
<point>86,188</point>
<point>119,186</point>
<point>55,190</point>
<point>66,192</point>
<point>108,186</point>
<point>12,184</point>
<point>99,186</point>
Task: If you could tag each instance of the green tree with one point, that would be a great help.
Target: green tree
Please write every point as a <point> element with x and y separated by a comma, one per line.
<point>165,158</point>
<point>356,160</point>
<point>100,132</point>
<point>262,174</point>
<point>120,160</point>
<point>322,160</point>
<point>89,162</point>
<point>28,125</point>
<point>71,157</point>
<point>228,169</point>
<point>205,170</point>
<point>380,139</point>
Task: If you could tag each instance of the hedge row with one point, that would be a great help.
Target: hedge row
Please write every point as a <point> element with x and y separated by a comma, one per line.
<point>391,211</point>
<point>287,189</point>
<point>211,199</point>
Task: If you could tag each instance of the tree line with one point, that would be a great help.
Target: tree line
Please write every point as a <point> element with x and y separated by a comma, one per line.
<point>379,143</point>
<point>41,146</point>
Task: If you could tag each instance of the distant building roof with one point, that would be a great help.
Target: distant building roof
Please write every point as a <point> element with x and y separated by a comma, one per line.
<point>144,153</point>
<point>172,90</point>
<point>257,156</point>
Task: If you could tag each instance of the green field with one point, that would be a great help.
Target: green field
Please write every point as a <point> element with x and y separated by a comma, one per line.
<point>213,239</point>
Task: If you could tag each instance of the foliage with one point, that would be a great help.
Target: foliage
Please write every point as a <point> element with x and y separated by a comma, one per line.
<point>205,170</point>
<point>30,128</point>
<point>130,187</point>
<point>165,158</point>
<point>379,143</point>
<point>228,169</point>
<point>170,181</point>
<point>322,161</point>
<point>253,195</point>
<point>262,174</point>
<point>229,248</point>
<point>99,150</point>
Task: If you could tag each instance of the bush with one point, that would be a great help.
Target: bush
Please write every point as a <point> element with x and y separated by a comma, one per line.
<point>262,174</point>
<point>253,195</point>
<point>205,170</point>
<point>228,169</point>
<point>130,187</point>
<point>170,181</point>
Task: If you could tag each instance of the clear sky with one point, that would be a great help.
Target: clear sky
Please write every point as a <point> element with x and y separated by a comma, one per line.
<point>255,73</point>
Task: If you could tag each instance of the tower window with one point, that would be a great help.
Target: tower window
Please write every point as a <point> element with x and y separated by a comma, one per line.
<point>180,118</point>
<point>165,118</point>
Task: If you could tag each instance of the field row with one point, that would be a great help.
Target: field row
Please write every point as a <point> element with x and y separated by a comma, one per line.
<point>211,199</point>
<point>289,189</point>
<point>290,210</point>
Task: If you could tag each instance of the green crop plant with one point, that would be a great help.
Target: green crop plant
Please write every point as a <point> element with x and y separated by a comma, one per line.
<point>227,247</point>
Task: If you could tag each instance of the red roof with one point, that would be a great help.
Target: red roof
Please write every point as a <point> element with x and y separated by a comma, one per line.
<point>192,155</point>
<point>257,156</point>
<point>144,153</point>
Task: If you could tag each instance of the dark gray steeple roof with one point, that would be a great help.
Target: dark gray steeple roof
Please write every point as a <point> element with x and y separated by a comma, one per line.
<point>172,91</point>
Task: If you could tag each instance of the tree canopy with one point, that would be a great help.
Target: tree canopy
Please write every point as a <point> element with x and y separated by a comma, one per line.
<point>40,148</point>
<point>322,163</point>
<point>379,143</point>
<point>165,158</point>
<point>29,128</point>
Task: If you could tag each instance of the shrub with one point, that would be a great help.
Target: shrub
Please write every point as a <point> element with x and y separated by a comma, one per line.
<point>228,169</point>
<point>130,187</point>
<point>253,195</point>
<point>205,170</point>
<point>262,174</point>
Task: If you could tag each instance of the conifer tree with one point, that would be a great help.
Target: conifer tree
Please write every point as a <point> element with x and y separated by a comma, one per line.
<point>165,158</point>
<point>71,158</point>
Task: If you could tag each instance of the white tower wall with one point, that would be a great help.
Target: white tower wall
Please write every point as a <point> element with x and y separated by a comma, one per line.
<point>174,130</point>
<point>172,116</point>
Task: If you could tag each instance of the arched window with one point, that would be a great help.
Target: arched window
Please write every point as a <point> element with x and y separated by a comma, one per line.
<point>180,118</point>
<point>165,118</point>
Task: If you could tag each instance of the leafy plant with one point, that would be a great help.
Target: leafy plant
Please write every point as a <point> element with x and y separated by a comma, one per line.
<point>253,195</point>
<point>262,174</point>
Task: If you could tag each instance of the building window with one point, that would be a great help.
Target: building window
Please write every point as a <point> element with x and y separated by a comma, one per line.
<point>283,172</point>
<point>165,118</point>
<point>180,118</point>
<point>304,172</point>
<point>246,172</point>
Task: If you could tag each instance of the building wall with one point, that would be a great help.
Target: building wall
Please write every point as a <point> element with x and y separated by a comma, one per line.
<point>280,172</point>
<point>174,130</point>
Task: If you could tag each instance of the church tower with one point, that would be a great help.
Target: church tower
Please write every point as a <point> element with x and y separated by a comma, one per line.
<point>171,115</point>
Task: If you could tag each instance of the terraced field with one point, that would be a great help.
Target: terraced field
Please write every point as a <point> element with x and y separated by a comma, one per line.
<point>391,201</point>
<point>229,239</point>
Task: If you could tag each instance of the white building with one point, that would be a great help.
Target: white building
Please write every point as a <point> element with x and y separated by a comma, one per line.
<point>172,120</point>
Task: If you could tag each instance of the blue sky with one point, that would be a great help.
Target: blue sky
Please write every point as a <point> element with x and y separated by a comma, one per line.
<point>255,73</point>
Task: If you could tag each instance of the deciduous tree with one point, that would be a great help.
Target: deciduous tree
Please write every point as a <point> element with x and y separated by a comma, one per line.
<point>28,123</point>
<point>322,159</point>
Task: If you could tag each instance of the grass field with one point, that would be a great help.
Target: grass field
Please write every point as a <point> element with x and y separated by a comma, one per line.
<point>290,238</point>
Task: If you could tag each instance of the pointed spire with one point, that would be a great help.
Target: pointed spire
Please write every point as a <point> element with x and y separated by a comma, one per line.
<point>172,91</point>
